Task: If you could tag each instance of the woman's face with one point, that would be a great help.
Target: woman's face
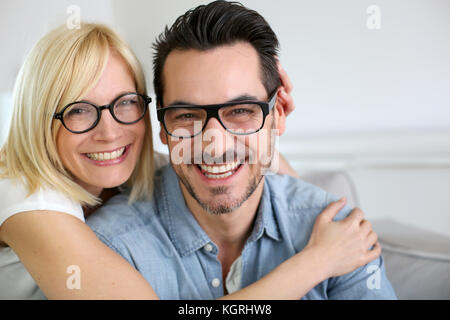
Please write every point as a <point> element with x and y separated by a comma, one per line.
<point>121,144</point>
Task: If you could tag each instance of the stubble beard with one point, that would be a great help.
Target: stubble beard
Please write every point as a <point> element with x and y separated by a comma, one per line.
<point>226,205</point>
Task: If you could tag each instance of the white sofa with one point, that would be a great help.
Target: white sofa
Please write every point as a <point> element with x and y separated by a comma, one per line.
<point>417,261</point>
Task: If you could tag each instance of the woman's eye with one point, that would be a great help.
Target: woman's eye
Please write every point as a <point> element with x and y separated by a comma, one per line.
<point>127,102</point>
<point>77,111</point>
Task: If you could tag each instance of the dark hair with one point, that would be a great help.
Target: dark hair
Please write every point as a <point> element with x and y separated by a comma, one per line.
<point>215,24</point>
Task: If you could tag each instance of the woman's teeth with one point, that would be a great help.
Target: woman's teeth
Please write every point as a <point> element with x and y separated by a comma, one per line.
<point>219,171</point>
<point>102,156</point>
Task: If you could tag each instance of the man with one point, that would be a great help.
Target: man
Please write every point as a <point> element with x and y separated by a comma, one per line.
<point>218,223</point>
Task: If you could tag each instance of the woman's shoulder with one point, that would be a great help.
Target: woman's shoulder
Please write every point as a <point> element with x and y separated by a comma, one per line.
<point>16,198</point>
<point>12,191</point>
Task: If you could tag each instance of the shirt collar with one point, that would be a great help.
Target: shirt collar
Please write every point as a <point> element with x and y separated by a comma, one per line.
<point>184,230</point>
<point>266,222</point>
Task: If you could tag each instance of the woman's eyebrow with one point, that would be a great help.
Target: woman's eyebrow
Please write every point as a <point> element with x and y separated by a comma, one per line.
<point>123,92</point>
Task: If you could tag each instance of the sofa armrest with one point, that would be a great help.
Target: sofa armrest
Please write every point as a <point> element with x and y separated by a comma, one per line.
<point>417,261</point>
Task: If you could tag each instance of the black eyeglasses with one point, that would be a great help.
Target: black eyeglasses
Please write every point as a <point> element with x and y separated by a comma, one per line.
<point>240,117</point>
<point>82,116</point>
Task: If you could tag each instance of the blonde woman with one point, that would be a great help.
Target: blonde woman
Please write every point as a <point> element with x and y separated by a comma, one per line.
<point>65,155</point>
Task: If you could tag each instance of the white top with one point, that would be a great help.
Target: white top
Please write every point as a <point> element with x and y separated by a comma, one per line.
<point>15,281</point>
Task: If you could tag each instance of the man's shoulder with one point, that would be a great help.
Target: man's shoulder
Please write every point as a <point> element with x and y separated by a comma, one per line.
<point>295,197</point>
<point>117,216</point>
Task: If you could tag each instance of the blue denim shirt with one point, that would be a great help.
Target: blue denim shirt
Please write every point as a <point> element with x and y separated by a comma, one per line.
<point>164,242</point>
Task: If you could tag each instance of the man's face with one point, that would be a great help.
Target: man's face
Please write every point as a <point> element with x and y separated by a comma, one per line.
<point>232,166</point>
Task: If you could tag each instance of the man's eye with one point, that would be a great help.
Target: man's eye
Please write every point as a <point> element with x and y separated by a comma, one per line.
<point>241,111</point>
<point>185,116</point>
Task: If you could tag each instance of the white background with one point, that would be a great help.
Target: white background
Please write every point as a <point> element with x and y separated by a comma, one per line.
<point>375,103</point>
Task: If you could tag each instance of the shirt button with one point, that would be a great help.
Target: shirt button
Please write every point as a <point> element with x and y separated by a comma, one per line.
<point>208,247</point>
<point>215,283</point>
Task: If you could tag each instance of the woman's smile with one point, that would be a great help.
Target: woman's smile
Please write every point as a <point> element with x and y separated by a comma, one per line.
<point>107,158</point>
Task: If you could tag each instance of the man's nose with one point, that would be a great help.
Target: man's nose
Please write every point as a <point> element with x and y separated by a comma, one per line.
<point>108,129</point>
<point>216,139</point>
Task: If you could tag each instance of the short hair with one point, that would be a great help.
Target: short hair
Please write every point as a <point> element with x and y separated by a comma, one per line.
<point>61,68</point>
<point>216,24</point>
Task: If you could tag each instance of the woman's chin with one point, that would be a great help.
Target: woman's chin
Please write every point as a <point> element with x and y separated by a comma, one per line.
<point>97,183</point>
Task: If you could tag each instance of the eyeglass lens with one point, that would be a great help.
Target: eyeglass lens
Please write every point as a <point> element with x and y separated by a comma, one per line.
<point>82,116</point>
<point>238,119</point>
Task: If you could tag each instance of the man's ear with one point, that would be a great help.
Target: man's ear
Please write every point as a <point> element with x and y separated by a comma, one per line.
<point>284,92</point>
<point>279,117</point>
<point>162,134</point>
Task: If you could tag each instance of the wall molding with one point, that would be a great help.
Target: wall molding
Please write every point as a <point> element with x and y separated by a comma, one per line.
<point>396,150</point>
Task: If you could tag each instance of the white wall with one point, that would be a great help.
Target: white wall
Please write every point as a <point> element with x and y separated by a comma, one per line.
<point>22,24</point>
<point>375,103</point>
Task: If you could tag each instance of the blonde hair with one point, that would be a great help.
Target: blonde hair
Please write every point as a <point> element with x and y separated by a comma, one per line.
<point>61,68</point>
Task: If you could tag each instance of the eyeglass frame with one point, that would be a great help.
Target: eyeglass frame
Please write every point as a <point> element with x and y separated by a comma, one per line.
<point>212,111</point>
<point>110,107</point>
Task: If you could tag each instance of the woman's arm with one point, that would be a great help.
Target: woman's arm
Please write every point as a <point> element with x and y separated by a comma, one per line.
<point>48,243</point>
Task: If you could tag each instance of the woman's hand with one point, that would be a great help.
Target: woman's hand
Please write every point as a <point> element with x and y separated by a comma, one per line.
<point>345,245</point>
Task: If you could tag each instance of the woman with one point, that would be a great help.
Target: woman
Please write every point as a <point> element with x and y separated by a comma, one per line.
<point>65,155</point>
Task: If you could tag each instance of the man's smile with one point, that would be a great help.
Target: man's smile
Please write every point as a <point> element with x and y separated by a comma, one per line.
<point>218,172</point>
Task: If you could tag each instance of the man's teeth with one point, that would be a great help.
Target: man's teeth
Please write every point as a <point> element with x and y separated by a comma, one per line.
<point>103,156</point>
<point>219,171</point>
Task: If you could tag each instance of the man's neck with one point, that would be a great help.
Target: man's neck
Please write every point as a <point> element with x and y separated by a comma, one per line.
<point>229,231</point>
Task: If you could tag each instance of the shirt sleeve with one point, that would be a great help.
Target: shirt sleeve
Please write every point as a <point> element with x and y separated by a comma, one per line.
<point>15,199</point>
<point>368,282</point>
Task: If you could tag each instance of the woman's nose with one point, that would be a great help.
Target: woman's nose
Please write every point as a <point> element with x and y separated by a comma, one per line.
<point>108,129</point>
